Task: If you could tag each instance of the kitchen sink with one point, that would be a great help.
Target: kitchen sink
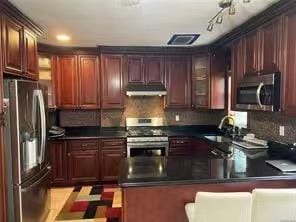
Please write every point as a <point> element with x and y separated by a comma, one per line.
<point>218,139</point>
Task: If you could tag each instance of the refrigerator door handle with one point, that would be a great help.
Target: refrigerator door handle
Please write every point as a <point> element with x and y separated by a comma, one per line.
<point>43,124</point>
<point>36,182</point>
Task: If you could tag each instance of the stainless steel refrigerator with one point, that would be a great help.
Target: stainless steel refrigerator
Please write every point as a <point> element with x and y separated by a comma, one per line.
<point>28,166</point>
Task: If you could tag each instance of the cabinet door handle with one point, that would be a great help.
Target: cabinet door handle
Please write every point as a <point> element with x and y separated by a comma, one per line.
<point>69,154</point>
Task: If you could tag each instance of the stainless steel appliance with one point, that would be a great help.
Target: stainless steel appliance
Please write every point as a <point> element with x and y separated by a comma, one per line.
<point>28,166</point>
<point>259,93</point>
<point>146,137</point>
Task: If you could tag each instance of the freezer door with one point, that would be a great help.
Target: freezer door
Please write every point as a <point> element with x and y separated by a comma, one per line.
<point>28,129</point>
<point>35,199</point>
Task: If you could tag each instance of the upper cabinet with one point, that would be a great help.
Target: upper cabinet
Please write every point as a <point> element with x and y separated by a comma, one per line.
<point>178,82</point>
<point>13,41</point>
<point>145,69</point>
<point>112,81</point>
<point>251,53</point>
<point>135,69</point>
<point>89,85</point>
<point>67,78</point>
<point>77,80</point>
<point>19,49</point>
<point>270,44</point>
<point>208,81</point>
<point>289,89</point>
<point>154,69</point>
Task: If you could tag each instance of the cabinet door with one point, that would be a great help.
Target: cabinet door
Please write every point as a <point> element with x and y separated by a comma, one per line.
<point>110,162</point>
<point>154,69</point>
<point>12,35</point>
<point>31,57</point>
<point>83,166</point>
<point>178,82</point>
<point>58,158</point>
<point>251,48</point>
<point>290,68</point>
<point>89,87</point>
<point>270,47</point>
<point>112,81</point>
<point>135,72</point>
<point>200,81</point>
<point>67,82</point>
<point>237,69</point>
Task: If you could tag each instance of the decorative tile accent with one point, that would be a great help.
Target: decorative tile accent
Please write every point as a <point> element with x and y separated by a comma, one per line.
<point>70,118</point>
<point>266,126</point>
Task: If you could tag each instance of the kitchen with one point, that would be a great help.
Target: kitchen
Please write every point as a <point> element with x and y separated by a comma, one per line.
<point>97,122</point>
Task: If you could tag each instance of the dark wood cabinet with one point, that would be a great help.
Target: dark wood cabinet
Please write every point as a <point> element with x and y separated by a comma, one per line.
<point>112,81</point>
<point>270,47</point>
<point>237,69</point>
<point>180,146</point>
<point>289,74</point>
<point>135,69</point>
<point>251,53</point>
<point>67,78</point>
<point>208,81</point>
<point>89,85</point>
<point>13,40</point>
<point>178,82</point>
<point>58,159</point>
<point>154,69</point>
<point>112,152</point>
<point>30,55</point>
<point>83,166</point>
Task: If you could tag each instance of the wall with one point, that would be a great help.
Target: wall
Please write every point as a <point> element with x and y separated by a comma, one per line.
<point>138,107</point>
<point>266,126</point>
<point>153,107</point>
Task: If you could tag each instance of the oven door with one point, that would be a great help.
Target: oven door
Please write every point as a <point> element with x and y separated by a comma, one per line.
<point>147,149</point>
<point>255,97</point>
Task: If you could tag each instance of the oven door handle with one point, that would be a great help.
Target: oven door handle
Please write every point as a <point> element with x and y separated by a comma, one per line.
<point>258,94</point>
<point>145,145</point>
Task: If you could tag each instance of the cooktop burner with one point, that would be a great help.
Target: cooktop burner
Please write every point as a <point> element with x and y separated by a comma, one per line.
<point>140,132</point>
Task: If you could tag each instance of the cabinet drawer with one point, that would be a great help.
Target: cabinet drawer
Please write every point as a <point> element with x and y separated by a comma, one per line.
<point>184,141</point>
<point>83,145</point>
<point>113,143</point>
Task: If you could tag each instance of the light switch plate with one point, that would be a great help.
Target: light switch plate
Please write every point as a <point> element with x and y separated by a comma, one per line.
<point>177,118</point>
<point>282,131</point>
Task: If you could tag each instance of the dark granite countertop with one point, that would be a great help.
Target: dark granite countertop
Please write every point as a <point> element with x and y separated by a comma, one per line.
<point>92,133</point>
<point>120,132</point>
<point>242,166</point>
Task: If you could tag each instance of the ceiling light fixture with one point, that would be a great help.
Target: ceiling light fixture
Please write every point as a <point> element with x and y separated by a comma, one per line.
<point>63,37</point>
<point>224,4</point>
<point>130,2</point>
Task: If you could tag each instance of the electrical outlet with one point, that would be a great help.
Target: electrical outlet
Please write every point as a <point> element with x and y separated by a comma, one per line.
<point>282,131</point>
<point>177,118</point>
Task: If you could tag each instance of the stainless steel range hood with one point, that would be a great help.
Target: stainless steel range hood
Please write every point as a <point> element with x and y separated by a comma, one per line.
<point>145,90</point>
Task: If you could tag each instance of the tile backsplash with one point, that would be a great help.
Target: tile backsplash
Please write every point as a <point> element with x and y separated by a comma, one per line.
<point>266,126</point>
<point>153,107</point>
<point>75,118</point>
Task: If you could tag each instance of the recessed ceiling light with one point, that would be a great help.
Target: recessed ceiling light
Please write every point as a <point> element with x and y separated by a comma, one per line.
<point>63,37</point>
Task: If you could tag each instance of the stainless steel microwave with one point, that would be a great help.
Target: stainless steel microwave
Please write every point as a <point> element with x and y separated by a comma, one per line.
<point>260,93</point>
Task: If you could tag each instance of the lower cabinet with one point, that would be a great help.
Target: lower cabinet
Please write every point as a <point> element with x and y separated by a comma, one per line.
<point>112,152</point>
<point>85,161</point>
<point>83,166</point>
<point>188,146</point>
<point>58,159</point>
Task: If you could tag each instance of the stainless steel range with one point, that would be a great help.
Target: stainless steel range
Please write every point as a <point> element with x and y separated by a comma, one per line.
<point>146,137</point>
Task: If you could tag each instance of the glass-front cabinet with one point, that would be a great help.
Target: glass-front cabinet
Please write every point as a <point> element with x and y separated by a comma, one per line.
<point>46,77</point>
<point>200,81</point>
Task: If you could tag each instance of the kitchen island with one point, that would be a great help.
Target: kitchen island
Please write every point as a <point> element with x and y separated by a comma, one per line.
<point>157,188</point>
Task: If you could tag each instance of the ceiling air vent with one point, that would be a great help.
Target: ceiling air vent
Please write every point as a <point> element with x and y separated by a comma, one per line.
<point>183,39</point>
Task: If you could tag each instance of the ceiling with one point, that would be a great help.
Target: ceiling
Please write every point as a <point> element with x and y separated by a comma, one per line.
<point>150,23</point>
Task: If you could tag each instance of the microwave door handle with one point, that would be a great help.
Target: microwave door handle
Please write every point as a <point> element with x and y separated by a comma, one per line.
<point>258,95</point>
<point>43,125</point>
